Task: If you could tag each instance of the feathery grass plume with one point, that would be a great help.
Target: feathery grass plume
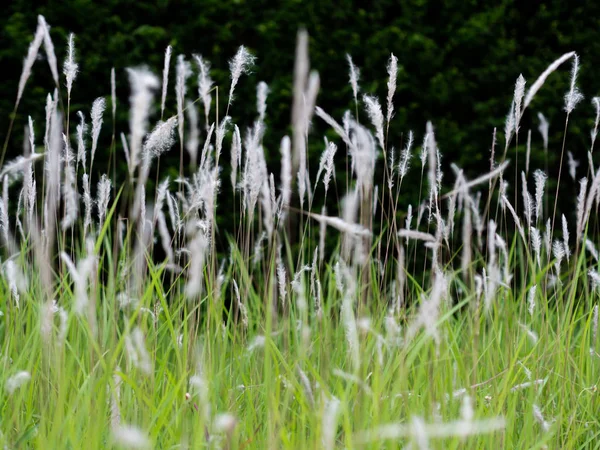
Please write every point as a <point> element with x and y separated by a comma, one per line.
<point>581,208</point>
<point>240,64</point>
<point>130,437</point>
<point>281,281</point>
<point>517,100</point>
<point>80,275</point>
<point>508,205</point>
<point>548,238</point>
<point>205,157</point>
<point>49,49</point>
<point>18,167</point>
<point>115,399</point>
<point>205,84</point>
<point>32,53</point>
<point>543,129</point>
<point>392,167</point>
<point>528,205</point>
<point>509,126</point>
<point>17,283</point>
<point>236,153</point>
<point>165,78</point>
<point>113,94</point>
<point>103,198</point>
<point>531,299</point>
<point>595,278</point>
<point>198,247</point>
<point>574,96</point>
<point>565,230</point>
<point>528,153</point>
<point>142,82</point>
<point>558,251</point>
<point>15,381</point>
<point>376,116</point>
<point>464,186</point>
<point>262,91</point>
<point>333,124</point>
<point>594,329</point>
<point>255,170</point>
<point>535,87</point>
<point>329,421</point>
<point>354,77</point>
<point>539,418</point>
<point>594,132</point>
<point>240,305</point>
<point>69,188</point>
<point>87,202</point>
<point>48,311</point>
<point>326,164</point>
<point>429,310</point>
<point>183,72</point>
<point>81,130</point>
<point>573,164</point>
<point>346,280</point>
<point>306,387</point>
<point>165,236</point>
<point>404,163</point>
<point>193,140</point>
<point>70,67</point>
<point>322,233</point>
<point>136,351</point>
<point>160,140</point>
<point>340,224</point>
<point>536,243</point>
<point>591,248</point>
<point>467,238</point>
<point>220,135</point>
<point>392,70</point>
<point>97,111</point>
<point>540,181</point>
<point>432,164</point>
<point>416,235</point>
<point>52,173</point>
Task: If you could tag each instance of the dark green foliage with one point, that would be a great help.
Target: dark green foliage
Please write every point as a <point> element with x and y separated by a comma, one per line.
<point>458,64</point>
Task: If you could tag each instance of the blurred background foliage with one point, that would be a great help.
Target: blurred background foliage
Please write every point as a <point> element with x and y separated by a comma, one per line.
<point>458,62</point>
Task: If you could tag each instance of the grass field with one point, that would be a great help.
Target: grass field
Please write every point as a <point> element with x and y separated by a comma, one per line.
<point>466,321</point>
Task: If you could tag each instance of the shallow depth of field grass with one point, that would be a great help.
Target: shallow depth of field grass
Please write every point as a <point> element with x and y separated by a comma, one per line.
<point>469,321</point>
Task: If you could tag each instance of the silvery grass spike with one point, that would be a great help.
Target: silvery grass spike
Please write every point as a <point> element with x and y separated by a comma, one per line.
<point>32,53</point>
<point>193,139</point>
<point>205,84</point>
<point>49,49</point>
<point>240,64</point>
<point>165,79</point>
<point>143,83</point>
<point>70,66</point>
<point>183,72</point>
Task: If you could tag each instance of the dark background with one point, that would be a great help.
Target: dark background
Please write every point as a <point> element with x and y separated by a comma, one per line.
<point>458,62</point>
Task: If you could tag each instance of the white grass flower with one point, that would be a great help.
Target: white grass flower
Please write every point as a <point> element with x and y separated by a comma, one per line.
<point>581,208</point>
<point>136,351</point>
<point>531,299</point>
<point>594,328</point>
<point>103,198</point>
<point>113,93</point>
<point>183,71</point>
<point>539,418</point>
<point>535,87</point>
<point>161,139</point>
<point>536,243</point>
<point>528,154</point>
<point>130,437</point>
<point>543,129</point>
<point>540,181</point>
<point>16,381</point>
<point>376,116</point>
<point>509,125</point>
<point>594,132</point>
<point>354,77</point>
<point>205,84</point>
<point>49,49</point>
<point>565,230</point>
<point>240,64</point>
<point>262,91</point>
<point>97,111</point>
<point>81,131</point>
<point>573,164</point>
<point>517,100</point>
<point>142,82</point>
<point>329,420</point>
<point>193,140</point>
<point>240,305</point>
<point>574,96</point>
<point>595,278</point>
<point>404,163</point>
<point>70,66</point>
<point>32,53</point>
<point>326,164</point>
<point>236,153</point>
<point>165,78</point>
<point>392,70</point>
<point>591,248</point>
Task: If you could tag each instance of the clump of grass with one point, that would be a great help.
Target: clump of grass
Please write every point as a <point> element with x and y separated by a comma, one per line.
<point>297,345</point>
